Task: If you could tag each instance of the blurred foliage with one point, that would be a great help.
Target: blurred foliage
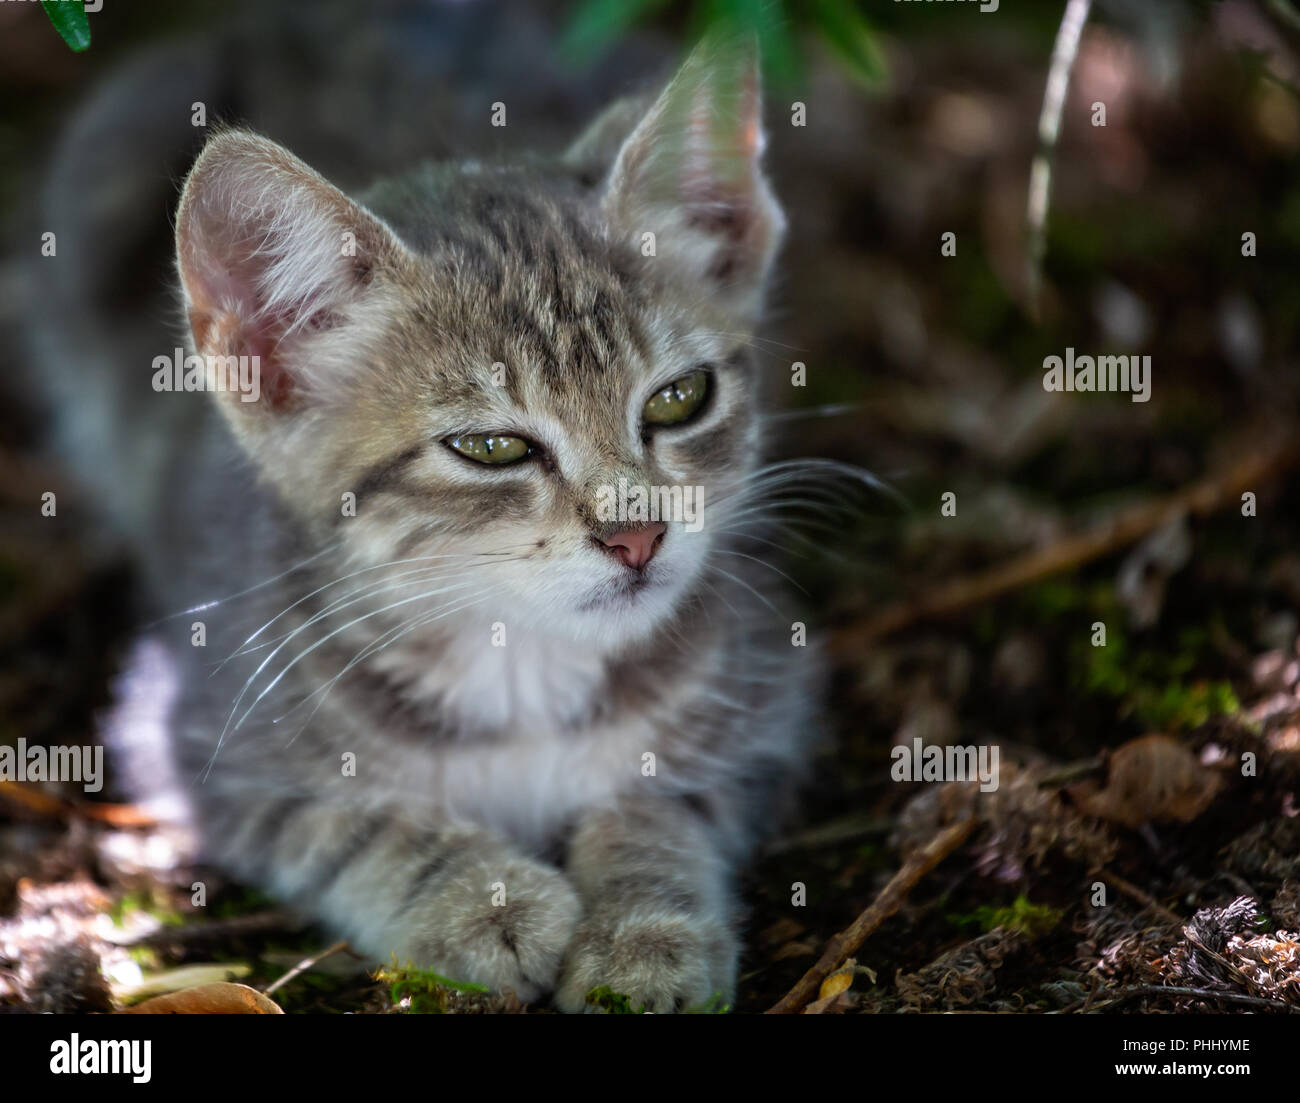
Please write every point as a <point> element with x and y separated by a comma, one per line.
<point>152,904</point>
<point>594,25</point>
<point>69,19</point>
<point>1152,685</point>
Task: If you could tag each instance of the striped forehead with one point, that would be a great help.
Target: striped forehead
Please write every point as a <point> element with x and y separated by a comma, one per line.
<point>534,306</point>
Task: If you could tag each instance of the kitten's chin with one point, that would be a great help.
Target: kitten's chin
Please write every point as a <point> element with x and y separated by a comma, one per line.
<point>614,616</point>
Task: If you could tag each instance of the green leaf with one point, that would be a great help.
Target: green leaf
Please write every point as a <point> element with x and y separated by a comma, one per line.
<point>69,19</point>
<point>851,39</point>
<point>597,23</point>
<point>765,20</point>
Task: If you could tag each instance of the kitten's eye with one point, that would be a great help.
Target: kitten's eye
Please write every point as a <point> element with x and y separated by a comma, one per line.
<point>679,401</point>
<point>490,448</point>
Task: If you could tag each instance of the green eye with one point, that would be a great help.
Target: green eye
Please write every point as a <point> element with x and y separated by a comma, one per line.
<point>679,401</point>
<point>491,448</point>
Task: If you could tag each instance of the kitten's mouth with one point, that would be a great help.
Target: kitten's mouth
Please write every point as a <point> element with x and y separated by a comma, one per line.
<point>621,592</point>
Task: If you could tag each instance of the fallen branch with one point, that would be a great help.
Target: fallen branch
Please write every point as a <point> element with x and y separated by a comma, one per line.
<point>1199,993</point>
<point>221,929</point>
<point>846,943</point>
<point>1200,499</point>
<point>830,834</point>
<point>304,965</point>
<point>43,804</point>
<point>1141,896</point>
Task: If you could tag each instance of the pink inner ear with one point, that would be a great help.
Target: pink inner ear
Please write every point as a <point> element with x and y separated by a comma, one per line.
<point>227,315</point>
<point>225,333</point>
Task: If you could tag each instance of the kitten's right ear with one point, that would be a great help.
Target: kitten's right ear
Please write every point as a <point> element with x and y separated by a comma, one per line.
<point>269,252</point>
<point>689,178</point>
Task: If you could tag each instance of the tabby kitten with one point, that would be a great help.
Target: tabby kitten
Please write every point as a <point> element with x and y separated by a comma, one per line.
<point>472,718</point>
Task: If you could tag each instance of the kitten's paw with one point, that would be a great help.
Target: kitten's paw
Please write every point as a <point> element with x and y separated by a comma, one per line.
<point>663,963</point>
<point>503,924</point>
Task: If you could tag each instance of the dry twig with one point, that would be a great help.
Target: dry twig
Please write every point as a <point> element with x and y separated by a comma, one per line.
<point>1199,993</point>
<point>44,804</point>
<point>891,897</point>
<point>1141,896</point>
<point>220,929</point>
<point>1200,499</point>
<point>304,965</point>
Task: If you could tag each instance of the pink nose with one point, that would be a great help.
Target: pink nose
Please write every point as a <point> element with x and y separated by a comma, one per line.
<point>636,547</point>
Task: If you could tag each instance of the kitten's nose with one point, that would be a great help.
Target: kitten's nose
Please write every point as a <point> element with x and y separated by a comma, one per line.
<point>636,547</point>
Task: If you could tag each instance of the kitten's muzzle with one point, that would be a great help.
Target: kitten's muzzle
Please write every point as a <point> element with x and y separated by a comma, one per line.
<point>634,546</point>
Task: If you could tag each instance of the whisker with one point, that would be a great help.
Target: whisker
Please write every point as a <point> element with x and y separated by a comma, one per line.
<point>747,586</point>
<point>251,589</point>
<point>363,570</point>
<point>405,628</point>
<point>285,670</point>
<point>350,598</point>
<point>761,562</point>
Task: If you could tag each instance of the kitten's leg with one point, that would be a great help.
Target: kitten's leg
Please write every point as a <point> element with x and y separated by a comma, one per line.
<point>658,909</point>
<point>454,899</point>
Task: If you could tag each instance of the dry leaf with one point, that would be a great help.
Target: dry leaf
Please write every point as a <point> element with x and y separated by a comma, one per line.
<point>209,999</point>
<point>177,980</point>
<point>806,947</point>
<point>783,930</point>
<point>1152,779</point>
<point>839,981</point>
<point>833,1005</point>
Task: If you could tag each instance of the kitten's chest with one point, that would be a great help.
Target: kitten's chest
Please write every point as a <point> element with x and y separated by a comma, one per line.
<point>522,689</point>
<point>534,733</point>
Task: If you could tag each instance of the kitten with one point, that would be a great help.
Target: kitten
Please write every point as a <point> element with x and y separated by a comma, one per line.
<point>450,701</point>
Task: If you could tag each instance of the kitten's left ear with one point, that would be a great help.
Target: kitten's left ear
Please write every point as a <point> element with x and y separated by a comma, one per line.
<point>270,252</point>
<point>689,174</point>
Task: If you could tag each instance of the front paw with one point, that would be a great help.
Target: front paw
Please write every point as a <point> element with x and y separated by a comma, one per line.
<point>501,924</point>
<point>662,963</point>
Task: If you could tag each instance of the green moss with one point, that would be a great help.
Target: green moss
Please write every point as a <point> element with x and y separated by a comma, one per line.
<point>238,900</point>
<point>714,1005</point>
<point>160,910</point>
<point>615,1003</point>
<point>427,992</point>
<point>1054,598</point>
<point>145,957</point>
<point>1151,685</point>
<point>611,1002</point>
<point>1031,920</point>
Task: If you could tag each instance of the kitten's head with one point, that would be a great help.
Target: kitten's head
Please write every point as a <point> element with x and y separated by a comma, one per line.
<point>529,386</point>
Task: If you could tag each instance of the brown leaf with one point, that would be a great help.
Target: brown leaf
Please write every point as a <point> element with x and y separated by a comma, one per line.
<point>804,947</point>
<point>832,1005</point>
<point>1152,779</point>
<point>839,981</point>
<point>783,930</point>
<point>221,998</point>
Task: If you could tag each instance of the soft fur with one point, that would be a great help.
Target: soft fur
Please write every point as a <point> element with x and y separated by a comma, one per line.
<point>449,722</point>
